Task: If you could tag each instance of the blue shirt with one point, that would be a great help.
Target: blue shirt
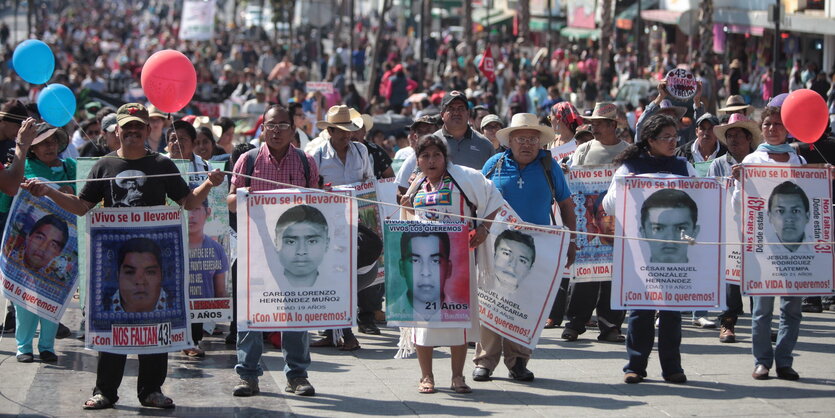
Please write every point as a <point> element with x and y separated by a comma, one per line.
<point>531,196</point>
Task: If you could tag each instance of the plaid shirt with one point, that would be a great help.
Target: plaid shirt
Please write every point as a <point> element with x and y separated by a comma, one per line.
<point>289,170</point>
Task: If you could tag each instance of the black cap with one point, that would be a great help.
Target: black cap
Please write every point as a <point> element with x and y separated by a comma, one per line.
<point>431,120</point>
<point>454,95</point>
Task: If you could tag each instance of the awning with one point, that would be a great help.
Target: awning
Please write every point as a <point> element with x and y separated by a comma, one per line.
<point>580,33</point>
<point>540,24</point>
<point>669,17</point>
<point>494,17</point>
<point>624,20</point>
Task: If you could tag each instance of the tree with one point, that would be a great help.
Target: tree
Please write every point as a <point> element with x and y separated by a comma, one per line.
<point>525,19</point>
<point>375,48</point>
<point>468,27</point>
<point>606,28</point>
<point>704,55</point>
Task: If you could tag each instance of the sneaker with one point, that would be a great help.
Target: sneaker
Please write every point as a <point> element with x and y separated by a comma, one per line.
<point>300,386</point>
<point>25,358</point>
<point>63,332</point>
<point>703,322</point>
<point>246,387</point>
<point>48,357</point>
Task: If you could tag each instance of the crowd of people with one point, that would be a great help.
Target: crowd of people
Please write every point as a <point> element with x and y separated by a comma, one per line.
<point>477,142</point>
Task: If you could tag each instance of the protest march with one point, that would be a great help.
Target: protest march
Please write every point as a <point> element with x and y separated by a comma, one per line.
<point>180,175</point>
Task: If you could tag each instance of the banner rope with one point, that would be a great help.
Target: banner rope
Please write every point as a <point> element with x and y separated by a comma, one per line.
<point>684,238</point>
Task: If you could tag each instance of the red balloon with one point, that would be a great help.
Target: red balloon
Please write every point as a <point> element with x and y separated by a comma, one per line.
<point>169,80</point>
<point>805,115</point>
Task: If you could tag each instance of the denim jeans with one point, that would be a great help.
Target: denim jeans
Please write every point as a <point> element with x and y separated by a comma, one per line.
<point>295,347</point>
<point>790,315</point>
<point>640,336</point>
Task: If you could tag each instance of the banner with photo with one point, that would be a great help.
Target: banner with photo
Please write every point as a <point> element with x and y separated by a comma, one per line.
<point>733,253</point>
<point>786,206</point>
<point>428,280</point>
<point>668,272</point>
<point>297,260</point>
<point>39,260</point>
<point>82,171</point>
<point>370,216</point>
<point>209,243</point>
<point>588,184</point>
<point>138,287</point>
<point>518,277</point>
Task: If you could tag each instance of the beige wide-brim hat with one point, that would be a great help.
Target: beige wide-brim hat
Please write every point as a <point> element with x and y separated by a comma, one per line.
<point>739,120</point>
<point>522,121</point>
<point>735,103</point>
<point>340,117</point>
<point>205,122</point>
<point>604,111</point>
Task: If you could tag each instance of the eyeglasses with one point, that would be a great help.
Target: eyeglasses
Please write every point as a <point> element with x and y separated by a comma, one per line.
<point>772,125</point>
<point>668,139</point>
<point>276,126</point>
<point>523,140</point>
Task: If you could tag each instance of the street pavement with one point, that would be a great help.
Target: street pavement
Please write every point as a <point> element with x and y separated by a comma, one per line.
<point>581,378</point>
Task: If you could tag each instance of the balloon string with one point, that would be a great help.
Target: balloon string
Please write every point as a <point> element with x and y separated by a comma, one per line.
<point>685,239</point>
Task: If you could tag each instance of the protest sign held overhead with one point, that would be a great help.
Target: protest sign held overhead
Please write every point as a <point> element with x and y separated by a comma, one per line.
<point>666,272</point>
<point>138,288</point>
<point>518,278</point>
<point>296,260</point>
<point>588,186</point>
<point>39,260</point>
<point>790,206</point>
<point>428,274</point>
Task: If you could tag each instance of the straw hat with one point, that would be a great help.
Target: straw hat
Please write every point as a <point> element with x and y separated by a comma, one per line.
<point>45,130</point>
<point>604,110</point>
<point>739,120</point>
<point>205,122</point>
<point>735,103</point>
<point>340,117</point>
<point>522,121</point>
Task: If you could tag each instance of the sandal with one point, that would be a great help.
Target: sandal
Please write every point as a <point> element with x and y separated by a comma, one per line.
<point>460,387</point>
<point>98,401</point>
<point>158,400</point>
<point>427,385</point>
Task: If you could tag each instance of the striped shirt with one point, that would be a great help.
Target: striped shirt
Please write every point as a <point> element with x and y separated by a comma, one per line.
<point>288,170</point>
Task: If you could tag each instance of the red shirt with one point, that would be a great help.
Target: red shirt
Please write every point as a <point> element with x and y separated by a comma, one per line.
<point>288,170</point>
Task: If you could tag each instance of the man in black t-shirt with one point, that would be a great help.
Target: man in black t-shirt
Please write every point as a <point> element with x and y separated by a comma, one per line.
<point>130,170</point>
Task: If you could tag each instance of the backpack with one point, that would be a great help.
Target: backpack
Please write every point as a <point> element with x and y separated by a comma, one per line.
<point>546,164</point>
<point>252,154</point>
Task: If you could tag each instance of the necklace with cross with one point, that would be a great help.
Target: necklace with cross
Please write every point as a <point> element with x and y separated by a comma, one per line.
<point>520,182</point>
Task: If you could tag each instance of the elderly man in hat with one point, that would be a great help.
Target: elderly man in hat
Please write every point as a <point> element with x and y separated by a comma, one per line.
<point>162,181</point>
<point>530,181</point>
<point>705,147</point>
<point>741,136</point>
<point>588,296</point>
<point>465,146</point>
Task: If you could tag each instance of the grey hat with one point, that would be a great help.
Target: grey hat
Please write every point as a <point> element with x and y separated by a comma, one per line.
<point>491,119</point>
<point>108,123</point>
<point>707,117</point>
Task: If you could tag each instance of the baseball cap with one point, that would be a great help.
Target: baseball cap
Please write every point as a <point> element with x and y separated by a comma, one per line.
<point>454,95</point>
<point>132,112</point>
<point>491,119</point>
<point>108,123</point>
<point>425,119</point>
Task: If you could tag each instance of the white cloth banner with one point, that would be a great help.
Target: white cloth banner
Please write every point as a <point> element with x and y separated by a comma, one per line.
<point>786,204</point>
<point>588,186</point>
<point>733,255</point>
<point>138,285</point>
<point>198,20</point>
<point>518,277</point>
<point>297,265</point>
<point>669,275</point>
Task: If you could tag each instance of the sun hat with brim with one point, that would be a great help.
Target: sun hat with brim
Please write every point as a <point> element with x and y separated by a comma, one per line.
<point>340,117</point>
<point>739,120</point>
<point>206,122</point>
<point>523,121</point>
<point>604,111</point>
<point>45,131</point>
<point>735,103</point>
<point>668,105</point>
<point>491,119</point>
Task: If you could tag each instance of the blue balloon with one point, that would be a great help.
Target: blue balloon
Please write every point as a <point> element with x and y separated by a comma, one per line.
<point>33,61</point>
<point>56,104</point>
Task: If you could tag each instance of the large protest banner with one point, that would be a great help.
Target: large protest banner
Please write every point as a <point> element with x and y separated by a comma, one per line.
<point>39,260</point>
<point>518,277</point>
<point>138,288</point>
<point>198,20</point>
<point>663,273</point>
<point>82,171</point>
<point>209,242</point>
<point>428,280</point>
<point>370,216</point>
<point>733,253</point>
<point>296,260</point>
<point>787,206</point>
<point>588,186</point>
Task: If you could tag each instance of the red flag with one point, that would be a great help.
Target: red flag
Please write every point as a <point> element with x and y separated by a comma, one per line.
<point>487,65</point>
